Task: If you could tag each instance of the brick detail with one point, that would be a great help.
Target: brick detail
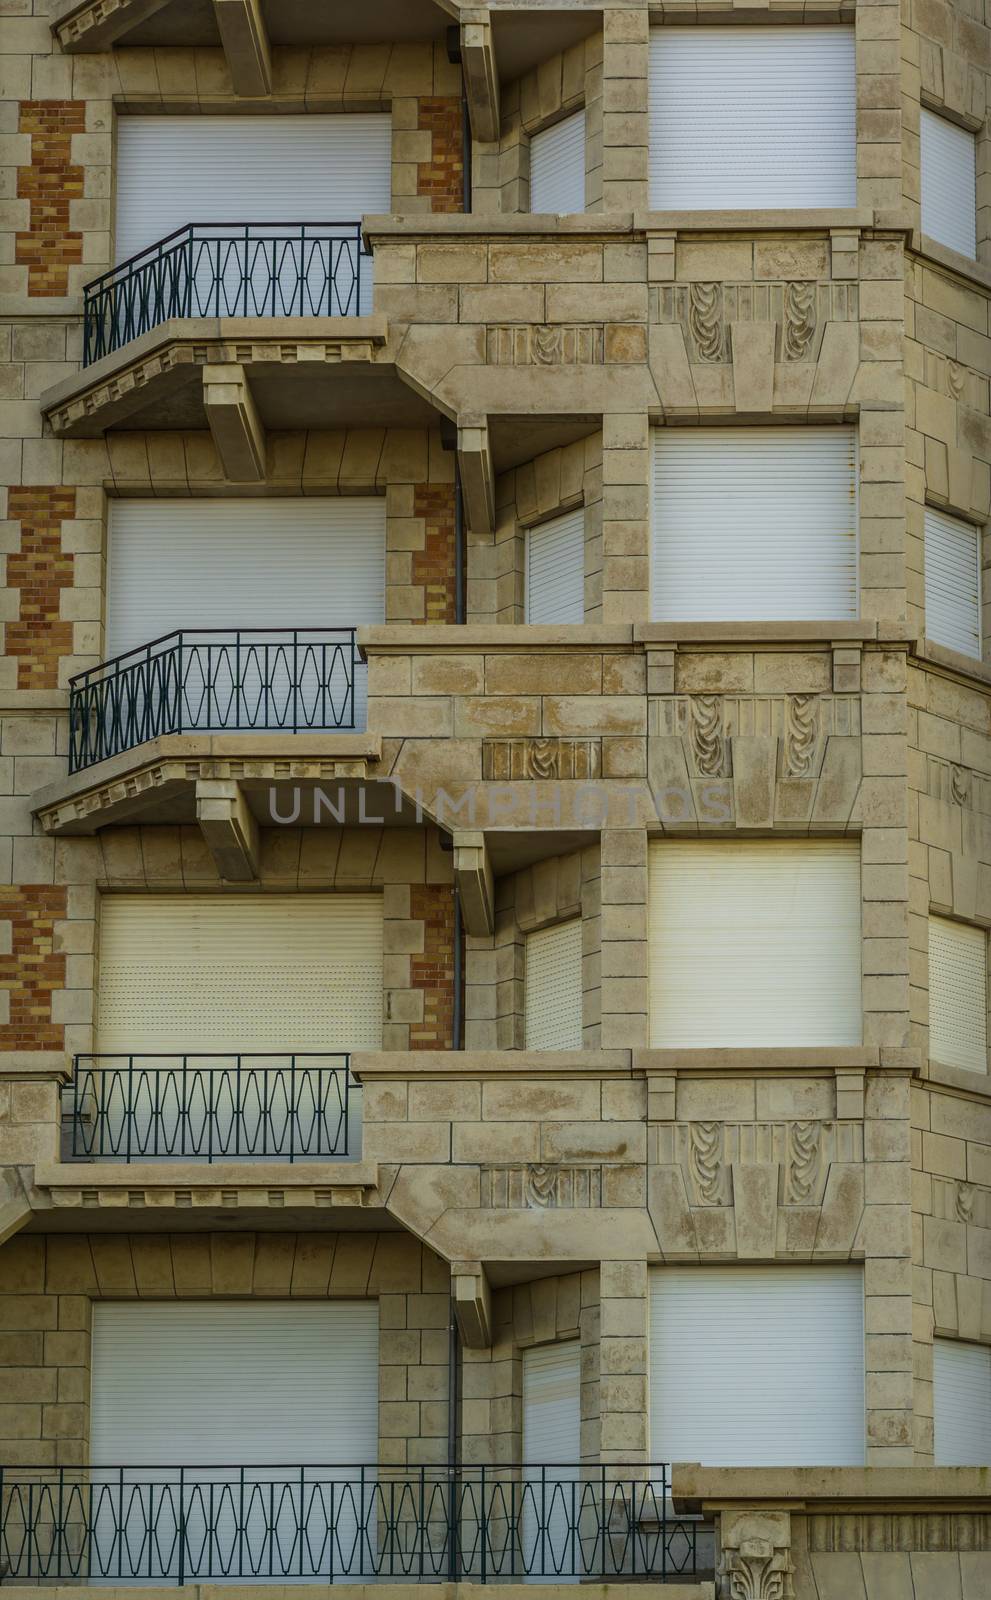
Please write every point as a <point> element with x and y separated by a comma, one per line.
<point>433,566</point>
<point>433,971</point>
<point>40,570</point>
<point>50,247</point>
<point>32,971</point>
<point>441,179</point>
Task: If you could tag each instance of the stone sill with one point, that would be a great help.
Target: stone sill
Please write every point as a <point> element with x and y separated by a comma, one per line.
<point>380,1065</point>
<point>409,638</point>
<point>974,272</point>
<point>842,631</point>
<point>777,1061</point>
<point>937,655</point>
<point>589,225</point>
<point>970,1085</point>
<point>113,1175</point>
<point>940,1487</point>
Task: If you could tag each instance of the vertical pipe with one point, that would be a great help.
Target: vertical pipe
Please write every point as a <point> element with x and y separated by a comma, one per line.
<point>459,545</point>
<point>453,1445</point>
<point>465,150</point>
<point>458,1017</point>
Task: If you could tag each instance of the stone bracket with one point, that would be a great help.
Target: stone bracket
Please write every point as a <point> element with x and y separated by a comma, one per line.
<point>237,429</point>
<point>481,76</point>
<point>473,874</point>
<point>477,476</point>
<point>244,37</point>
<point>15,1207</point>
<point>230,830</point>
<point>100,23</point>
<point>472,1304</point>
<point>755,1555</point>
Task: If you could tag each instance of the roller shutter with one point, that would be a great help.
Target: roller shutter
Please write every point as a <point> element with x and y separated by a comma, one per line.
<point>962,1403</point>
<point>555,569</point>
<point>757,1366</point>
<point>949,183</point>
<point>751,118</point>
<point>553,990</point>
<point>551,1441</point>
<point>557,167</point>
<point>754,942</point>
<point>172,171</point>
<point>953,583</point>
<point>754,524</point>
<point>958,999</point>
<point>224,565</point>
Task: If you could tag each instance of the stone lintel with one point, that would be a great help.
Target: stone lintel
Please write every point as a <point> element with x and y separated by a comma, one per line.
<point>238,431</point>
<point>481,76</point>
<point>98,24</point>
<point>472,1303</point>
<point>244,37</point>
<point>477,476</point>
<point>230,830</point>
<point>473,872</point>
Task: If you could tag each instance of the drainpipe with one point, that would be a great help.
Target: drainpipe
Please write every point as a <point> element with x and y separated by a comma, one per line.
<point>454,57</point>
<point>459,545</point>
<point>453,1448</point>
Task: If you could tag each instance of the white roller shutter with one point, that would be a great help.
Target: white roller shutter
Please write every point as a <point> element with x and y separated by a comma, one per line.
<point>229,564</point>
<point>757,1366</point>
<point>754,524</point>
<point>754,942</point>
<point>962,1403</point>
<point>552,1429</point>
<point>553,998</point>
<point>557,167</point>
<point>752,118</point>
<point>555,569</point>
<point>249,169</point>
<point>953,583</point>
<point>949,183</point>
<point>240,972</point>
<point>958,998</point>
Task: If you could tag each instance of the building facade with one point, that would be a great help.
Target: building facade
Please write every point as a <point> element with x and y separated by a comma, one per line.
<point>495,746</point>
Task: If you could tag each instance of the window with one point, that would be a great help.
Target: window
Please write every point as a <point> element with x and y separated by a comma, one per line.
<point>958,1006</point>
<point>557,166</point>
<point>962,1403</point>
<point>172,171</point>
<point>555,569</point>
<point>553,987</point>
<point>744,118</point>
<point>754,942</point>
<point>754,524</point>
<point>953,583</point>
<point>949,183</point>
<point>757,1366</point>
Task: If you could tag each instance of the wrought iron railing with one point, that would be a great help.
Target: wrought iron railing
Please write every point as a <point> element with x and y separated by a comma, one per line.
<point>206,680</point>
<point>293,269</point>
<point>119,1525</point>
<point>208,1108</point>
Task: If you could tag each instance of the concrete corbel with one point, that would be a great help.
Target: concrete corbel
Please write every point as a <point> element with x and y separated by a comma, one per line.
<point>481,77</point>
<point>237,429</point>
<point>230,831</point>
<point>477,476</point>
<point>473,872</point>
<point>244,37</point>
<point>472,1304</point>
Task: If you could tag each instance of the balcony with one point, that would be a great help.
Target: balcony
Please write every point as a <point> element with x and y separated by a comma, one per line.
<point>324,1524</point>
<point>251,680</point>
<point>229,270</point>
<point>207,1108</point>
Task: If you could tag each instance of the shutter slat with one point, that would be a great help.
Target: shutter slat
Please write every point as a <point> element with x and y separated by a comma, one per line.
<point>557,167</point>
<point>961,1403</point>
<point>949,183</point>
<point>754,524</point>
<point>553,998</point>
<point>754,943</point>
<point>555,571</point>
<point>958,1003</point>
<point>744,118</point>
<point>953,583</point>
<point>757,1366</point>
<point>189,973</point>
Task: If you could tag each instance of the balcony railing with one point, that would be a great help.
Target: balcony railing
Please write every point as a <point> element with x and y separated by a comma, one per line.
<point>209,1108</point>
<point>299,269</point>
<point>322,1524</point>
<point>206,680</point>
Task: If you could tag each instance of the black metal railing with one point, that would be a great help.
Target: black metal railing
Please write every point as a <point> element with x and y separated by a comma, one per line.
<point>326,1523</point>
<point>243,269</point>
<point>208,1107</point>
<point>205,680</point>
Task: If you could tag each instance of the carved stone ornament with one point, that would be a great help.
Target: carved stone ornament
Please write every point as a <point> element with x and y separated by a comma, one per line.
<point>801,735</point>
<point>755,1556</point>
<point>708,744</point>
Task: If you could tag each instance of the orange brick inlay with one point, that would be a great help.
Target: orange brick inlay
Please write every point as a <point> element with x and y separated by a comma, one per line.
<point>50,247</point>
<point>40,570</point>
<point>32,970</point>
<point>441,179</point>
<point>433,971</point>
<point>433,566</point>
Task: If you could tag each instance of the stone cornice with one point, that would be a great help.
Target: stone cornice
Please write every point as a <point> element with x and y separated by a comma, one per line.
<point>607,224</point>
<point>932,1488</point>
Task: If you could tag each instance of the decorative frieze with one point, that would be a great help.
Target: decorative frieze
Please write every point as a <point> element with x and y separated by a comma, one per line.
<point>544,345</point>
<point>881,1531</point>
<point>801,310</point>
<point>507,760</point>
<point>541,1186</point>
<point>802,1151</point>
<point>955,1201</point>
<point>708,722</point>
